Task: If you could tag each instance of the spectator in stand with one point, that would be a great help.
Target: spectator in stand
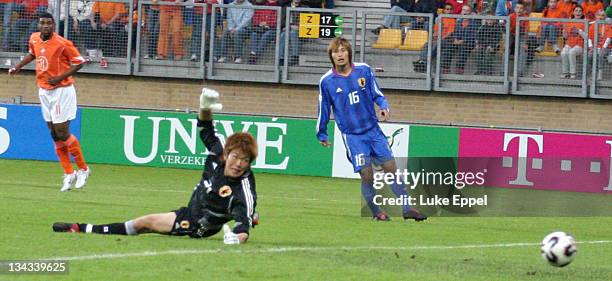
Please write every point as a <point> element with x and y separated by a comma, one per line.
<point>134,23</point>
<point>604,42</point>
<point>196,38</point>
<point>482,7</point>
<point>170,24</point>
<point>316,4</point>
<point>263,29</point>
<point>6,10</point>
<point>505,7</point>
<point>329,4</point>
<point>424,7</point>
<point>574,35</point>
<point>108,25</point>
<point>590,8</point>
<point>26,24</point>
<point>448,27</point>
<point>152,29</point>
<point>550,30</point>
<point>528,42</point>
<point>488,38</point>
<point>566,8</point>
<point>457,5</point>
<point>51,8</point>
<point>393,21</point>
<point>239,17</point>
<point>294,40</point>
<point>463,40</point>
<point>609,10</point>
<point>79,28</point>
<point>539,5</point>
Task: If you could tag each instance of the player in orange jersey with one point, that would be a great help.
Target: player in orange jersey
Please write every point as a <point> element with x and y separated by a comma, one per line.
<point>57,59</point>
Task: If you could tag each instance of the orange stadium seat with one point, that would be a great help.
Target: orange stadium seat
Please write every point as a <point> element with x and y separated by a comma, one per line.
<point>534,26</point>
<point>548,49</point>
<point>388,39</point>
<point>415,39</point>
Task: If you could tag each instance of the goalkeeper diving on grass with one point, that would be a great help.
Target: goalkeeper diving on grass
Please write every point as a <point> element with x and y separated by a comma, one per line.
<point>225,192</point>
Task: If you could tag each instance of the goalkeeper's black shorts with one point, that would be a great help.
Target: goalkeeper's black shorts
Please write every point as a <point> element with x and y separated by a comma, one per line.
<point>186,224</point>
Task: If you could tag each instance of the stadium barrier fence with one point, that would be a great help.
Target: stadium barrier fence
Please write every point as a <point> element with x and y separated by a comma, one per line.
<point>475,57</point>
<point>171,39</point>
<point>305,57</point>
<point>562,73</point>
<point>399,54</point>
<point>137,43</point>
<point>601,84</point>
<point>245,52</point>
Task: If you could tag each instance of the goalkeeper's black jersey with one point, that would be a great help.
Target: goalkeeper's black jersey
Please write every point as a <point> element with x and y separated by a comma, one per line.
<point>219,196</point>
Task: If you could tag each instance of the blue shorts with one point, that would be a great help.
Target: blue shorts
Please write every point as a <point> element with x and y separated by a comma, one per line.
<point>365,149</point>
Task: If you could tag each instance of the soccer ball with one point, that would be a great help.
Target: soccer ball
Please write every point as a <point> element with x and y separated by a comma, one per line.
<point>559,248</point>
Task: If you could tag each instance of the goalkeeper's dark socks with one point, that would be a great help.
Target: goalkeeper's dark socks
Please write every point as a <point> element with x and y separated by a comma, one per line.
<point>112,228</point>
<point>120,228</point>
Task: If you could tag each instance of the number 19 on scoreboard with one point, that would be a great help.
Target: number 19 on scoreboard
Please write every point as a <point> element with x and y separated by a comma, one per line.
<point>322,25</point>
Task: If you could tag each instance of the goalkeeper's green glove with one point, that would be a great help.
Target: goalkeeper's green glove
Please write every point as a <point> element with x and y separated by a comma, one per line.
<point>209,99</point>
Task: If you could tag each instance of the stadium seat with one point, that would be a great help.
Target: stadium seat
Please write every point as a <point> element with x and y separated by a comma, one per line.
<point>548,49</point>
<point>415,39</point>
<point>388,39</point>
<point>534,26</point>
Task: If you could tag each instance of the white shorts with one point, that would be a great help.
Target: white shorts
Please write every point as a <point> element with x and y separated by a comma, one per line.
<point>58,105</point>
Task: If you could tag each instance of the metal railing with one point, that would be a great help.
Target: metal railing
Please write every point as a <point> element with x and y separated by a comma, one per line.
<point>229,60</point>
<point>400,53</point>
<point>182,40</point>
<point>563,75</point>
<point>477,49</point>
<point>305,57</point>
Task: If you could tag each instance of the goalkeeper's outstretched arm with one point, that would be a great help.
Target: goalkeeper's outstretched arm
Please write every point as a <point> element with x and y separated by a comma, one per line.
<point>209,101</point>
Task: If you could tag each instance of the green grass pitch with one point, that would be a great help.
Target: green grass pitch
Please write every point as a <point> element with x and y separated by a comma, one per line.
<point>310,229</point>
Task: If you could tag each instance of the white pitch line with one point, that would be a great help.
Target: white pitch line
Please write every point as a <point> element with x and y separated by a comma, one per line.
<point>128,187</point>
<point>303,249</point>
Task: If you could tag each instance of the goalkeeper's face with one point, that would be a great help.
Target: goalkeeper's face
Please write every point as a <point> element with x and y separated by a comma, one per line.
<point>236,163</point>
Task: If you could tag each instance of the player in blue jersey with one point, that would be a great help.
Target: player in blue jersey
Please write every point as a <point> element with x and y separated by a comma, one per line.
<point>352,90</point>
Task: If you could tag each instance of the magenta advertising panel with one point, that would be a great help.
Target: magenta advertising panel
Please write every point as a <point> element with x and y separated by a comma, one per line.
<point>532,160</point>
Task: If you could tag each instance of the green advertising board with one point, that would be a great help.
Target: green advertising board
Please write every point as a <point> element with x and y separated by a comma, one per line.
<point>169,139</point>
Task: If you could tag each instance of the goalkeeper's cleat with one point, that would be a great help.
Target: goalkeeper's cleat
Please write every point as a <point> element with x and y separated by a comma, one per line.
<point>382,216</point>
<point>414,214</point>
<point>69,180</point>
<point>65,227</point>
<point>81,178</point>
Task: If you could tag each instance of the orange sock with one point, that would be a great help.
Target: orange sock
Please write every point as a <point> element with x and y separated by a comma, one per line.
<point>75,149</point>
<point>64,157</point>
